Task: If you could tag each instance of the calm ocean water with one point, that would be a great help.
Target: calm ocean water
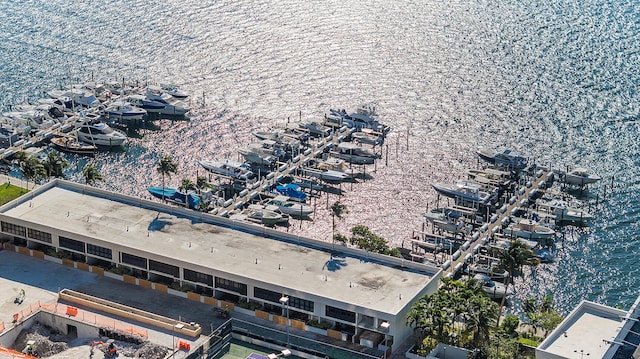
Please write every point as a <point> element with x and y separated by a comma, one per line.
<point>556,81</point>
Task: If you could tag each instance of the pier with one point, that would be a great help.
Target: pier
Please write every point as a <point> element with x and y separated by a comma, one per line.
<point>481,236</point>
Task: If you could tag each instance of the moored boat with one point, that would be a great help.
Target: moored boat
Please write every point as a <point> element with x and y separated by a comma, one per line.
<point>176,196</point>
<point>72,145</point>
<point>580,177</point>
<point>99,133</point>
<point>228,168</point>
<point>529,229</point>
<point>495,290</point>
<point>505,158</point>
<point>285,205</point>
<point>464,191</point>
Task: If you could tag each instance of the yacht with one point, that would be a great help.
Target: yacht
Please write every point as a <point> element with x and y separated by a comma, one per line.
<point>228,168</point>
<point>98,133</point>
<point>172,106</point>
<point>580,177</point>
<point>529,229</point>
<point>174,91</point>
<point>256,154</point>
<point>495,290</point>
<point>464,191</point>
<point>505,158</point>
<point>150,106</point>
<point>353,153</point>
<point>562,211</point>
<point>285,205</point>
<point>125,111</point>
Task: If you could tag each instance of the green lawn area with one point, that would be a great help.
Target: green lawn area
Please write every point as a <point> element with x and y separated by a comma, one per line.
<point>9,192</point>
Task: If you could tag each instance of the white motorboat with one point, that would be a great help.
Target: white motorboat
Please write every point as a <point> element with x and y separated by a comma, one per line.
<point>464,191</point>
<point>580,177</point>
<point>529,229</point>
<point>125,111</point>
<point>353,153</point>
<point>263,215</point>
<point>495,290</point>
<point>488,266</point>
<point>448,220</point>
<point>368,136</point>
<point>364,117</point>
<point>256,154</point>
<point>172,106</point>
<point>336,164</point>
<point>78,96</point>
<point>98,133</point>
<point>228,168</point>
<point>286,205</point>
<point>315,128</point>
<point>505,158</point>
<point>326,175</point>
<point>562,211</point>
<point>174,91</point>
<point>149,105</point>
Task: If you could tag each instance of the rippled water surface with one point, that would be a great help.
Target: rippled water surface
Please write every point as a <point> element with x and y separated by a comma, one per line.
<point>556,81</point>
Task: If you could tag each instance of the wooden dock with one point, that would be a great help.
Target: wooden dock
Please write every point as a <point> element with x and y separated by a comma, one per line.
<point>538,181</point>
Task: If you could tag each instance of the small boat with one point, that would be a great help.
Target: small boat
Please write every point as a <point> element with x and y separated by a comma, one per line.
<point>172,106</point>
<point>125,111</point>
<point>505,158</point>
<point>580,177</point>
<point>316,129</point>
<point>544,256</point>
<point>285,205</point>
<point>142,102</point>
<point>256,154</point>
<point>69,144</point>
<point>99,133</point>
<point>292,191</point>
<point>326,175</point>
<point>529,229</point>
<point>190,199</point>
<point>263,215</point>
<point>488,266</point>
<point>464,191</point>
<point>313,186</point>
<point>174,91</point>
<point>448,220</point>
<point>353,153</point>
<point>368,136</point>
<point>79,97</point>
<point>364,117</point>
<point>494,290</point>
<point>563,212</point>
<point>228,168</point>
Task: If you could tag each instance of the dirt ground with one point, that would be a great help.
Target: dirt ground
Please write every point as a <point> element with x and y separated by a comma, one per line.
<point>54,345</point>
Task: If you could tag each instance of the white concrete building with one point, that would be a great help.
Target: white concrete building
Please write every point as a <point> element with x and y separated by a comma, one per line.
<point>362,294</point>
<point>594,331</point>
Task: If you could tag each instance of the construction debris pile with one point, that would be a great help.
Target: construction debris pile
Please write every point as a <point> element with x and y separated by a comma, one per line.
<point>43,342</point>
<point>46,342</point>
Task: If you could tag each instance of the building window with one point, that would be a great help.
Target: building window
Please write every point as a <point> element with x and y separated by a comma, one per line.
<point>14,229</point>
<point>231,285</point>
<point>300,303</point>
<point>39,235</point>
<point>267,294</point>
<point>134,260</point>
<point>98,251</point>
<point>164,268</point>
<point>72,244</point>
<point>198,277</point>
<point>342,314</point>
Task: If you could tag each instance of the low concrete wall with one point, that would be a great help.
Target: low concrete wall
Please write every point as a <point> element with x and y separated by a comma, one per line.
<point>128,312</point>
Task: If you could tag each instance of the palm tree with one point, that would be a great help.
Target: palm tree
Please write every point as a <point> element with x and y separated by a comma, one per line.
<point>166,166</point>
<point>91,175</point>
<point>201,183</point>
<point>20,157</point>
<point>186,185</point>
<point>32,169</point>
<point>55,164</point>
<point>337,210</point>
<point>513,259</point>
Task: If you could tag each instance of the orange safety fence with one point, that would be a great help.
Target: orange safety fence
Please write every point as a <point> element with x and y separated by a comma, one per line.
<point>95,319</point>
<point>15,354</point>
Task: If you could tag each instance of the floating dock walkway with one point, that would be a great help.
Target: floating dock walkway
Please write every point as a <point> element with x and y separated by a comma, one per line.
<point>481,236</point>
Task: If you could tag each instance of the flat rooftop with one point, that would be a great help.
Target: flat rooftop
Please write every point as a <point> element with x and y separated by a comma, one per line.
<point>588,328</point>
<point>149,227</point>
